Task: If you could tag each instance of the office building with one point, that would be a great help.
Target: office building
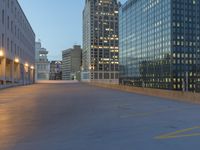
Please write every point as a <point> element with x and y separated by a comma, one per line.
<point>100,41</point>
<point>17,46</point>
<point>71,68</point>
<point>55,70</point>
<point>42,65</point>
<point>160,44</point>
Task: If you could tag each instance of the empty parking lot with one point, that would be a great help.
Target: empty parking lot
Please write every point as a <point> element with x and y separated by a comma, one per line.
<point>75,116</point>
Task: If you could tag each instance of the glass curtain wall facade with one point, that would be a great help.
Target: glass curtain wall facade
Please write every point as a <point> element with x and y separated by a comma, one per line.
<point>159,44</point>
<point>186,44</point>
<point>100,40</point>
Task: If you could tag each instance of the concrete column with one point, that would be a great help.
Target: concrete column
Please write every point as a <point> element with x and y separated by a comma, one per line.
<point>12,71</point>
<point>8,70</point>
<point>29,75</point>
<point>32,76</point>
<point>0,68</point>
<point>35,73</point>
<point>16,72</point>
<point>3,71</point>
<point>20,73</point>
<point>26,75</point>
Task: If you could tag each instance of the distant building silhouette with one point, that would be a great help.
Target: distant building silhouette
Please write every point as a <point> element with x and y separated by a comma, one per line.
<point>42,64</point>
<point>55,70</point>
<point>71,68</point>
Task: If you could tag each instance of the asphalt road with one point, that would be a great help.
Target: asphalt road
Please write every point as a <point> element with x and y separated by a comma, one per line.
<point>75,116</point>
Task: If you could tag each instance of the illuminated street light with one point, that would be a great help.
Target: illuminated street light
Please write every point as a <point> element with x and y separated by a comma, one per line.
<point>1,53</point>
<point>32,67</point>
<point>26,64</point>
<point>16,60</point>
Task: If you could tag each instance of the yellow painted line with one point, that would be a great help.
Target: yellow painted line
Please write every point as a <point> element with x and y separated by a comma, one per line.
<point>144,114</point>
<point>180,133</point>
<point>138,114</point>
<point>179,136</point>
<point>132,105</point>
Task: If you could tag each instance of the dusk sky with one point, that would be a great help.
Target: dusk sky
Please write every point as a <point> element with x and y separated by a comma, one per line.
<point>57,23</point>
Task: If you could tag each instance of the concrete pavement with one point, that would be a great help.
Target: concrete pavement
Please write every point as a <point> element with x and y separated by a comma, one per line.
<point>74,116</point>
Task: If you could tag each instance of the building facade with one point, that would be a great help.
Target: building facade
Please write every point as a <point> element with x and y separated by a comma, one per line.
<point>160,44</point>
<point>72,58</point>
<point>55,70</point>
<point>100,40</point>
<point>42,65</point>
<point>17,45</point>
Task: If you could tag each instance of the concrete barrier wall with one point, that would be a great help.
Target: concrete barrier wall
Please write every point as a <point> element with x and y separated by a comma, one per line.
<point>11,85</point>
<point>174,95</point>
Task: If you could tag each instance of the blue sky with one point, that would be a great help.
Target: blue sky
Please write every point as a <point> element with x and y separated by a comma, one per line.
<point>57,23</point>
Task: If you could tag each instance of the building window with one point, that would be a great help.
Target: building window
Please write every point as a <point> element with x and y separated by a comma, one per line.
<point>2,38</point>
<point>8,22</point>
<point>8,44</point>
<point>3,14</point>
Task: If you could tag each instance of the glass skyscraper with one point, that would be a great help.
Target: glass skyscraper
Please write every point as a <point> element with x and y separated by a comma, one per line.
<point>100,40</point>
<point>160,44</point>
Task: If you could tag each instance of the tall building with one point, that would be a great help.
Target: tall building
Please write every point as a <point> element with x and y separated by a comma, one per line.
<point>100,40</point>
<point>71,68</point>
<point>55,70</point>
<point>160,44</point>
<point>42,65</point>
<point>17,45</point>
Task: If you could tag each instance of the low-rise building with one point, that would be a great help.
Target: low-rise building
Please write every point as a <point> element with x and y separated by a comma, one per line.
<point>55,70</point>
<point>42,65</point>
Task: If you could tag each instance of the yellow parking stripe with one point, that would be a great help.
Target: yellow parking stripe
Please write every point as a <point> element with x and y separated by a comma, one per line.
<point>180,133</point>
